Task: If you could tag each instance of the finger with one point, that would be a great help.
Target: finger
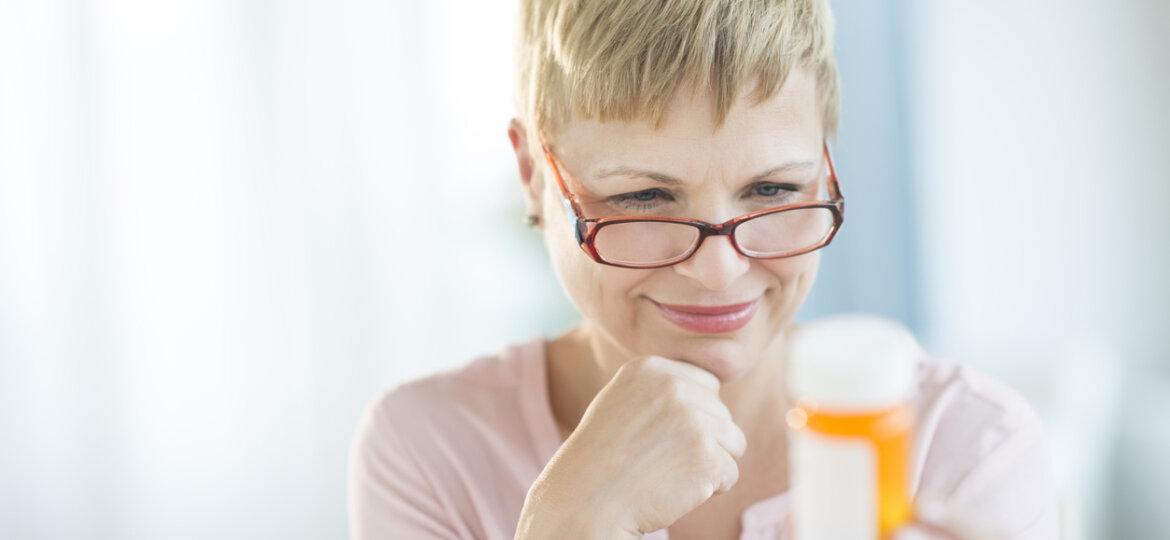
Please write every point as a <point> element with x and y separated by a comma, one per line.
<point>916,533</point>
<point>728,473</point>
<point>710,404</point>
<point>946,521</point>
<point>690,372</point>
<point>729,435</point>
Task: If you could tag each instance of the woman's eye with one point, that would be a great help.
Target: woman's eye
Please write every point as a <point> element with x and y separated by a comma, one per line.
<point>775,190</point>
<point>641,201</point>
<point>767,190</point>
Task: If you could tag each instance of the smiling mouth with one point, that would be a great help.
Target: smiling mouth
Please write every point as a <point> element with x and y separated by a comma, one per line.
<point>709,319</point>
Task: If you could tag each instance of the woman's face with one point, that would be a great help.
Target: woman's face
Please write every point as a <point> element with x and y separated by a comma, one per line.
<point>612,166</point>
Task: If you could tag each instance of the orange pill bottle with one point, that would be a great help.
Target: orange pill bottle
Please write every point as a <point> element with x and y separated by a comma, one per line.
<point>852,383</point>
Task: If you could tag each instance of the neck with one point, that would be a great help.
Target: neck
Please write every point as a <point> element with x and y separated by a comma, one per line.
<point>759,397</point>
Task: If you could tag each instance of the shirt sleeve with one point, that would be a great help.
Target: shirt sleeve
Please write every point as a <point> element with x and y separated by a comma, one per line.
<point>390,496</point>
<point>1013,485</point>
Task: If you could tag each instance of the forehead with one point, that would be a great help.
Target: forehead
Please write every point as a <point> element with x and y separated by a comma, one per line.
<point>689,142</point>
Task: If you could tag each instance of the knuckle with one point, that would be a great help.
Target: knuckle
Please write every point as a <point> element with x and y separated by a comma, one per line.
<point>688,430</point>
<point>706,465</point>
<point>721,407</point>
<point>695,425</point>
<point>650,363</point>
<point>732,473</point>
<point>669,390</point>
<point>719,469</point>
<point>632,368</point>
<point>740,439</point>
<point>648,367</point>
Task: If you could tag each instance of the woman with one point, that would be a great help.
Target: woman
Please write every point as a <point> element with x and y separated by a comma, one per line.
<point>661,414</point>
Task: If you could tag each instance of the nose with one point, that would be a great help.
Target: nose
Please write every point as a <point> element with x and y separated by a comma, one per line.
<point>716,264</point>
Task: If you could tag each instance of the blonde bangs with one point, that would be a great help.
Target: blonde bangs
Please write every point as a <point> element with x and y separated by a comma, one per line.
<point>625,59</point>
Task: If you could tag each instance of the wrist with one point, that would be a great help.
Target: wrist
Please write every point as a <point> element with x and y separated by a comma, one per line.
<point>546,515</point>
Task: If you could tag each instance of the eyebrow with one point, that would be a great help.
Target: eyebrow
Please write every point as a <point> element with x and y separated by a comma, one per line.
<point>630,172</point>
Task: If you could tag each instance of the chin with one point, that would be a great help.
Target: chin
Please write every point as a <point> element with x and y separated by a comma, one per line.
<point>729,358</point>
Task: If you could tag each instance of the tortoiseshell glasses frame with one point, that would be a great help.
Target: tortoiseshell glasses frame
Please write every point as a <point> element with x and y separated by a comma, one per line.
<point>586,229</point>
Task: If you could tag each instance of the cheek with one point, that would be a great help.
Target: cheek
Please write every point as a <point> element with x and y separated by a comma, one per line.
<point>597,290</point>
<point>796,276</point>
<point>567,257</point>
<point>794,270</point>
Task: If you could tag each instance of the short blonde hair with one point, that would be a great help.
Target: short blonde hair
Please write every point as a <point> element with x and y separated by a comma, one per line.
<point>625,59</point>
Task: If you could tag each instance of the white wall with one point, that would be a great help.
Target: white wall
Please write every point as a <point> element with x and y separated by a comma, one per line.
<point>211,254</point>
<point>1040,136</point>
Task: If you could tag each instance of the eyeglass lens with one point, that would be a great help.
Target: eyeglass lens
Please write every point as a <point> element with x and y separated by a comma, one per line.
<point>768,235</point>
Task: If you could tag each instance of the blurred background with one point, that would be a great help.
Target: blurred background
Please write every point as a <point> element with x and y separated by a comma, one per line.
<point>225,226</point>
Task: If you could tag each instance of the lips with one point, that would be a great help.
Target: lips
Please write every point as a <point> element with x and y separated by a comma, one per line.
<point>709,319</point>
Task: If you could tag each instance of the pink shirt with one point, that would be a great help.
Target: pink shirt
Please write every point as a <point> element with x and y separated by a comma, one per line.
<point>452,455</point>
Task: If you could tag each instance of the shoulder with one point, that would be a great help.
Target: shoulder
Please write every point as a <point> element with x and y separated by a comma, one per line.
<point>472,426</point>
<point>485,391</point>
<point>436,456</point>
<point>982,445</point>
<point>451,451</point>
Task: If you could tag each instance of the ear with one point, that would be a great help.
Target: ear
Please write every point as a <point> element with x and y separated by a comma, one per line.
<point>527,166</point>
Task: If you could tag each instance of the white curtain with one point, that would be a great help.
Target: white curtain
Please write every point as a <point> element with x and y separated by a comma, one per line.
<point>224,227</point>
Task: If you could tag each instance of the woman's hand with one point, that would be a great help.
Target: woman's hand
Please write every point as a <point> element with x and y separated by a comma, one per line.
<point>655,443</point>
<point>938,521</point>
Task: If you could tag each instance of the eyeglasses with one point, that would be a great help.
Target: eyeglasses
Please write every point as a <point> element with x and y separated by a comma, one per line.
<point>659,241</point>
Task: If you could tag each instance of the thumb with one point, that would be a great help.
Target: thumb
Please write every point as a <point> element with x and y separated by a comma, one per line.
<point>946,521</point>
<point>916,532</point>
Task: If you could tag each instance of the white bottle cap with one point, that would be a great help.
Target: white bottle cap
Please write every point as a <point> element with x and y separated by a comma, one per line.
<point>852,363</point>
